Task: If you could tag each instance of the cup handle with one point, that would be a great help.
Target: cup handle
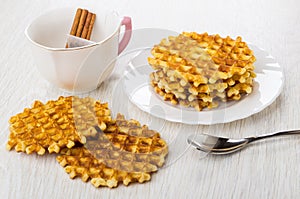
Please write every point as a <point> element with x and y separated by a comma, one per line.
<point>127,35</point>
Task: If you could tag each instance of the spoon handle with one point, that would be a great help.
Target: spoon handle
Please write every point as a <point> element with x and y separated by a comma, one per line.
<point>290,132</point>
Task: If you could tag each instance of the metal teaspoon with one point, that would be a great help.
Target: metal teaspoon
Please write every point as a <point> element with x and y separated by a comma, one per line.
<point>221,145</point>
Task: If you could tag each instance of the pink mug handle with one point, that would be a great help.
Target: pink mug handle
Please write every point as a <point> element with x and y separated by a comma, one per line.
<point>127,35</point>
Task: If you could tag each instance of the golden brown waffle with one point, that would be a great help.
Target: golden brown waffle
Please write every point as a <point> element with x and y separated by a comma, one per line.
<point>199,70</point>
<point>57,124</point>
<point>124,152</point>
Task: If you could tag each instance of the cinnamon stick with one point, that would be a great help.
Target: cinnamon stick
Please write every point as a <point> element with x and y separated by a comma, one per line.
<point>86,26</point>
<point>76,22</point>
<point>88,37</point>
<point>81,23</point>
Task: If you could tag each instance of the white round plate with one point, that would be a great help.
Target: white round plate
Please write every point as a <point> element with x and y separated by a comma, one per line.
<point>267,87</point>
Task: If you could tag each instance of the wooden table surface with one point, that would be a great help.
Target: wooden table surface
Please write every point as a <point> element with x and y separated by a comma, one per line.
<point>268,169</point>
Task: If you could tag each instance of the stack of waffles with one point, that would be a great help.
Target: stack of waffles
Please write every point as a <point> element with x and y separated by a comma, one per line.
<point>201,70</point>
<point>90,144</point>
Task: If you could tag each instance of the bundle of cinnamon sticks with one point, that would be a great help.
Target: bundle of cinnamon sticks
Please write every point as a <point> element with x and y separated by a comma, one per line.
<point>83,24</point>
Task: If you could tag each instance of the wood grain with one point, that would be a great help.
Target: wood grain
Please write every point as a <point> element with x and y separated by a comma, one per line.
<point>267,169</point>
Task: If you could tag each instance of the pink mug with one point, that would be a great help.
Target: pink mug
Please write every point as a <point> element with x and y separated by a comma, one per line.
<point>79,69</point>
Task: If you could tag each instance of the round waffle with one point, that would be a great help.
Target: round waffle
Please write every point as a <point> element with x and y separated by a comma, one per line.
<point>199,70</point>
<point>57,124</point>
<point>124,152</point>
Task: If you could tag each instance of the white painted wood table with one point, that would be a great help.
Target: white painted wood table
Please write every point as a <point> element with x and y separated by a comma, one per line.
<point>268,169</point>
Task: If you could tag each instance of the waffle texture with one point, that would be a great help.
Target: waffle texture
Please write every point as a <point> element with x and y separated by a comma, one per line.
<point>124,152</point>
<point>200,70</point>
<point>57,124</point>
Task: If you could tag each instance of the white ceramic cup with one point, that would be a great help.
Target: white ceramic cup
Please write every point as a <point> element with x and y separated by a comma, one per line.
<point>79,69</point>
